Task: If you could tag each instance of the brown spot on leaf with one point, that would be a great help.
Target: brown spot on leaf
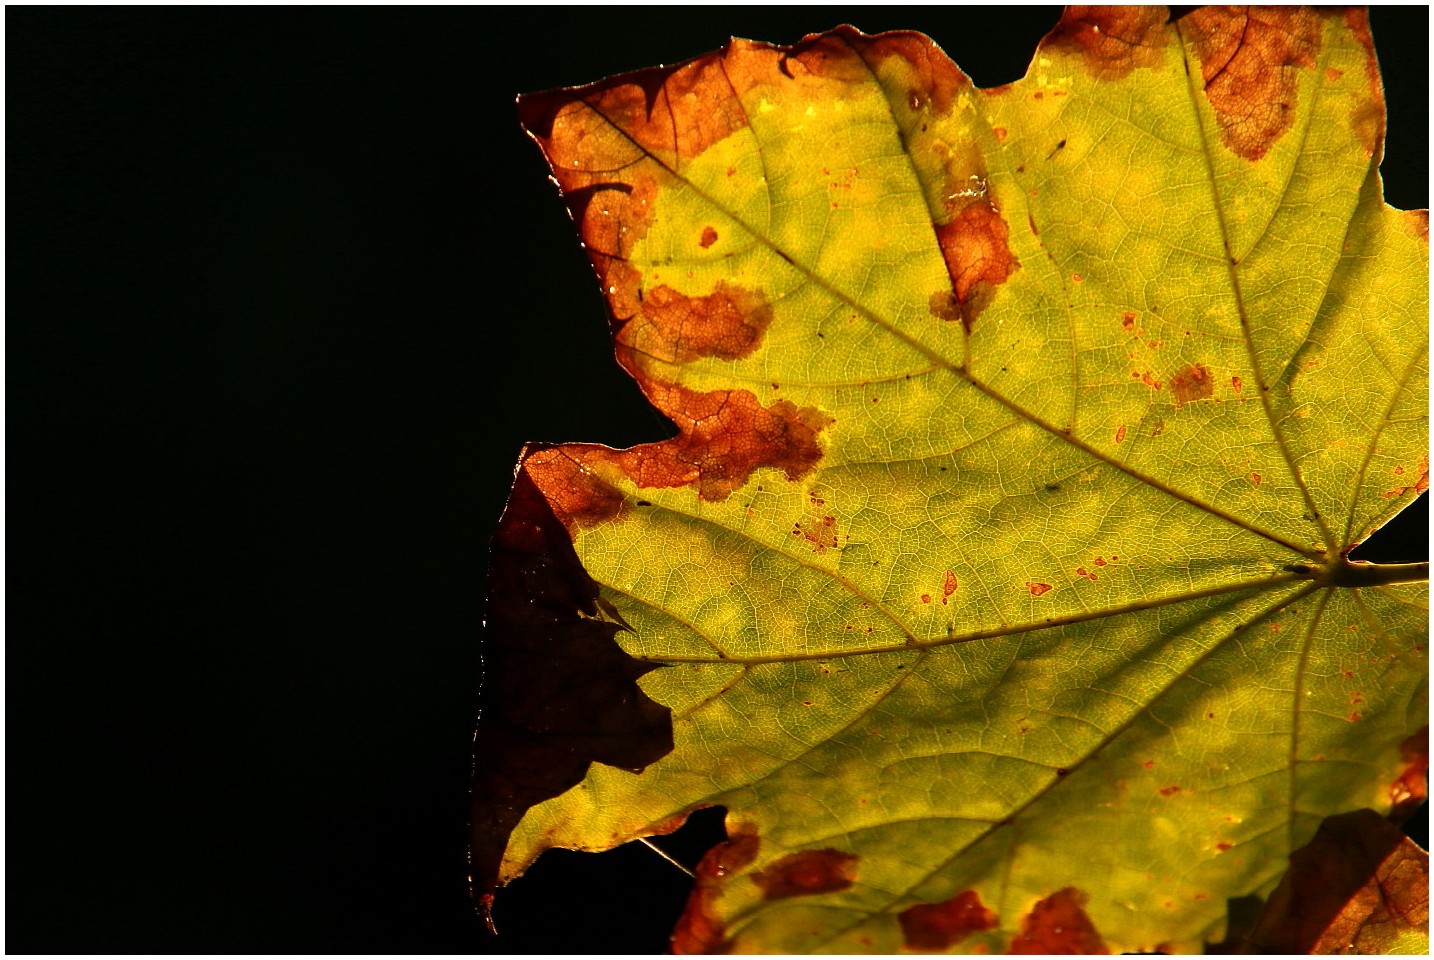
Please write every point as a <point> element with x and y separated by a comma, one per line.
<point>1120,434</point>
<point>940,926</point>
<point>1169,791</point>
<point>1418,223</point>
<point>1058,924</point>
<point>1255,478</point>
<point>699,930</point>
<point>948,586</point>
<point>1236,384</point>
<point>1250,58</point>
<point>1112,41</point>
<point>1333,74</point>
<point>1354,888</point>
<point>727,324</point>
<point>709,237</point>
<point>1127,321</point>
<point>559,693</point>
<point>1411,787</point>
<point>1223,845</point>
<point>999,133</point>
<point>978,259</point>
<point>926,598</point>
<point>1037,588</point>
<point>807,873</point>
<point>1192,383</point>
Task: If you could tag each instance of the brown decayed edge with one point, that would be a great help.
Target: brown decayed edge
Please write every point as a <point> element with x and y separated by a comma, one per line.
<point>1368,113</point>
<point>1250,58</point>
<point>1351,889</point>
<point>1411,787</point>
<point>558,692</point>
<point>698,929</point>
<point>807,873</point>
<point>723,437</point>
<point>1192,383</point>
<point>1111,41</point>
<point>970,230</point>
<point>940,926</point>
<point>1058,924</point>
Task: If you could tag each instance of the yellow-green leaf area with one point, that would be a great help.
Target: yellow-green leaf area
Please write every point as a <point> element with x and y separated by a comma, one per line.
<point>1064,402</point>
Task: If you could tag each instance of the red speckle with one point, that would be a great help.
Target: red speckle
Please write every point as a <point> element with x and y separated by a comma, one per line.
<point>1100,561</point>
<point>731,171</point>
<point>1127,320</point>
<point>1355,717</point>
<point>1058,924</point>
<point>1209,716</point>
<point>1077,278</point>
<point>949,586</point>
<point>1150,381</point>
<point>926,598</point>
<point>709,237</point>
<point>999,133</point>
<point>1398,470</point>
<point>1083,572</point>
<point>1255,478</point>
<point>1223,845</point>
<point>940,926</point>
<point>1201,896</point>
<point>807,873</point>
<point>1332,74</point>
<point>1120,434</point>
<point>1037,95</point>
<point>1037,588</point>
<point>1149,764</point>
<point>1347,674</point>
<point>1169,791</point>
<point>1237,384</point>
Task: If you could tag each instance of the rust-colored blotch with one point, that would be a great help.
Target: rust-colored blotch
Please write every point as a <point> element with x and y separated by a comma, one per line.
<point>806,873</point>
<point>1038,588</point>
<point>727,323</point>
<point>940,926</point>
<point>1192,383</point>
<point>1250,58</point>
<point>1112,41</point>
<point>725,436</point>
<point>978,259</point>
<point>698,929</point>
<point>1058,924</point>
<point>949,586</point>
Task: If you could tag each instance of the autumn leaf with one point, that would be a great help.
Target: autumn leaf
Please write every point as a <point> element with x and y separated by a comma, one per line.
<point>996,579</point>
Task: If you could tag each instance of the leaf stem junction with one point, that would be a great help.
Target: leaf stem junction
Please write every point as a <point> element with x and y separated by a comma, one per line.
<point>1341,572</point>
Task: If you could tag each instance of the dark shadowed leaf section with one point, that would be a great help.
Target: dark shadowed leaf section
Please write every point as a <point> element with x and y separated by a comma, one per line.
<point>558,693</point>
<point>1360,886</point>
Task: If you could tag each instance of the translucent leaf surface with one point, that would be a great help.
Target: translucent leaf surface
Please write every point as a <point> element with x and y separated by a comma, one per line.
<point>997,568</point>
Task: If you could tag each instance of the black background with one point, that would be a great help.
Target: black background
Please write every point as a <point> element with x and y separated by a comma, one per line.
<point>288,290</point>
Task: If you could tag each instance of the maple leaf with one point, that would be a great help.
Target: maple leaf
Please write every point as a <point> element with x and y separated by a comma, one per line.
<point>996,581</point>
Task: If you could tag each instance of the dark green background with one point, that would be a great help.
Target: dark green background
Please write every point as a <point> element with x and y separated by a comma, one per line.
<point>288,291</point>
